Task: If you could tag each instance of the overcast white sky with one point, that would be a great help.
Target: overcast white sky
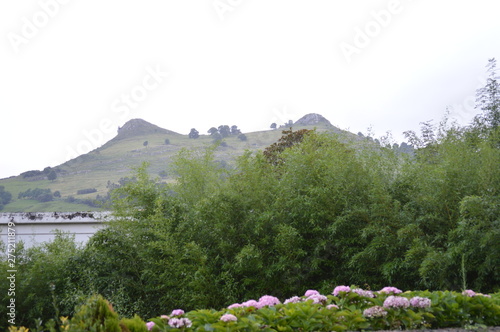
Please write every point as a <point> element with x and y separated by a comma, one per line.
<point>72,71</point>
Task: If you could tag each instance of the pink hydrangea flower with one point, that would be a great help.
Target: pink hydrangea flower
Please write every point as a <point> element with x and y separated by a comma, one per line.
<point>228,318</point>
<point>362,292</point>
<point>179,322</point>
<point>317,298</point>
<point>469,292</point>
<point>332,306</point>
<point>250,303</point>
<point>310,292</point>
<point>235,305</point>
<point>339,289</point>
<point>389,290</point>
<point>177,312</point>
<point>164,317</point>
<point>150,325</point>
<point>420,302</point>
<point>376,311</point>
<point>267,300</point>
<point>396,302</point>
<point>294,299</point>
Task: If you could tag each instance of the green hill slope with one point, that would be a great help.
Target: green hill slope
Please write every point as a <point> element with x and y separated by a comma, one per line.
<point>113,162</point>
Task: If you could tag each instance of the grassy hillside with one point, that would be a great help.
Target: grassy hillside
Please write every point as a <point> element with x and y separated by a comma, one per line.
<point>115,160</point>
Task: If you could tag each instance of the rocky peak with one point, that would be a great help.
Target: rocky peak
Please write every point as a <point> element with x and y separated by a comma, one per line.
<point>312,119</point>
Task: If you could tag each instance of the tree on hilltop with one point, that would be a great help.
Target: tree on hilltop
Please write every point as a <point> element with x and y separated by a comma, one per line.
<point>224,130</point>
<point>194,133</point>
<point>212,131</point>
<point>235,130</point>
<point>52,175</point>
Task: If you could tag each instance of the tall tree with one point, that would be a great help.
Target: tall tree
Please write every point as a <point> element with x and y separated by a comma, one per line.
<point>194,133</point>
<point>235,130</point>
<point>488,97</point>
<point>224,130</point>
<point>52,175</point>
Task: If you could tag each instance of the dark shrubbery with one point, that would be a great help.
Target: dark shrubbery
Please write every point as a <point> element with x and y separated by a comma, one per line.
<point>5,197</point>
<point>86,191</point>
<point>41,195</point>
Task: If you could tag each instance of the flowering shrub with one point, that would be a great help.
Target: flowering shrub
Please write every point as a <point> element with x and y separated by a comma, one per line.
<point>228,318</point>
<point>339,289</point>
<point>396,302</point>
<point>351,310</point>
<point>376,311</point>
<point>179,322</point>
<point>420,302</point>
<point>317,298</point>
<point>177,312</point>
<point>362,292</point>
<point>311,292</point>
<point>294,299</point>
<point>389,290</point>
<point>150,325</point>
<point>267,300</point>
<point>469,292</point>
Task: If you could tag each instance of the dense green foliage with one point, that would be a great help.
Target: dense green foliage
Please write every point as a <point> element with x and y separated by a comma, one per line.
<point>321,212</point>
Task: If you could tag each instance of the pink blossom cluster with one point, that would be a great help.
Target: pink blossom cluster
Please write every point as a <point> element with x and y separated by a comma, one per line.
<point>389,290</point>
<point>266,300</point>
<point>376,311</point>
<point>150,325</point>
<point>332,306</point>
<point>362,292</point>
<point>179,322</point>
<point>396,302</point>
<point>420,302</point>
<point>317,298</point>
<point>177,312</point>
<point>294,299</point>
<point>228,318</point>
<point>339,289</point>
<point>471,293</point>
<point>311,292</point>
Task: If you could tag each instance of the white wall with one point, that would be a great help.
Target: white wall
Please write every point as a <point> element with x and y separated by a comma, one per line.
<point>34,228</point>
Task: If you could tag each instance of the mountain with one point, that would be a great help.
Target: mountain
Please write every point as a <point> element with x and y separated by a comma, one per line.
<point>312,119</point>
<point>82,179</point>
<point>139,127</point>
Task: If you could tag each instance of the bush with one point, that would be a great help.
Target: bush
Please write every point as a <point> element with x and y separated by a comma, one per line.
<point>86,191</point>
<point>351,309</point>
<point>41,195</point>
<point>5,197</point>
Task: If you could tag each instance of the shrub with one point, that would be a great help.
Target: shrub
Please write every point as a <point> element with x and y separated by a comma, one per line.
<point>86,191</point>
